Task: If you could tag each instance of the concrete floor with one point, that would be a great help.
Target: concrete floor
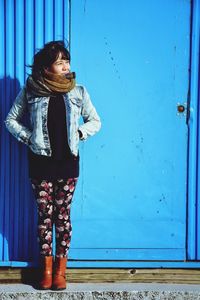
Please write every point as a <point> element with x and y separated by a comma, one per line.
<point>116,291</point>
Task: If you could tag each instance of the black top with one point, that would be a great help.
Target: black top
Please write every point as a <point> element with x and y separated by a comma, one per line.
<point>62,164</point>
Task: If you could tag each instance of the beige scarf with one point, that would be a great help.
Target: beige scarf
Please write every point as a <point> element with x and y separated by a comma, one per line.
<point>50,84</point>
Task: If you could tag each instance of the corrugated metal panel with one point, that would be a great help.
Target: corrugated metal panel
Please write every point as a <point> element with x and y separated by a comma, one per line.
<point>26,26</point>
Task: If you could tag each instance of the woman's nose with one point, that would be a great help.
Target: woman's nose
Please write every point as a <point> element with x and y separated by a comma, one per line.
<point>65,66</point>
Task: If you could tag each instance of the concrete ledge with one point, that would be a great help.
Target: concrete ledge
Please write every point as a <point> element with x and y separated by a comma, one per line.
<point>116,291</point>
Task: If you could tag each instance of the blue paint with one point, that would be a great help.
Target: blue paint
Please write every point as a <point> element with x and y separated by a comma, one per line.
<point>117,254</point>
<point>39,21</point>
<point>193,222</point>
<point>111,264</point>
<point>130,206</point>
<point>134,186</point>
<point>2,108</point>
<point>49,21</point>
<point>198,153</point>
<point>26,26</point>
<point>9,92</point>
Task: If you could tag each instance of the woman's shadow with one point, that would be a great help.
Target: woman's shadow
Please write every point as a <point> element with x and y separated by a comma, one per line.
<point>18,224</point>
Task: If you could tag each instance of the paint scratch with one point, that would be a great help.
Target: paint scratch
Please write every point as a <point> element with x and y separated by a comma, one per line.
<point>84,6</point>
<point>112,59</point>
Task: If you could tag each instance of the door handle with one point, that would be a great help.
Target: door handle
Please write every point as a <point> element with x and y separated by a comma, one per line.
<point>182,109</point>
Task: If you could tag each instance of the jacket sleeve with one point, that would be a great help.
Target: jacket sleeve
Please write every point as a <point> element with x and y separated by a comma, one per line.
<point>92,123</point>
<point>12,122</point>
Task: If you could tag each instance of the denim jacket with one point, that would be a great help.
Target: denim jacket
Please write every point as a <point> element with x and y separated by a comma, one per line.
<point>77,103</point>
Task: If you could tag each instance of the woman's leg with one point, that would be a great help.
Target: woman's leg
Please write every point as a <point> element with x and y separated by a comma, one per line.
<point>44,195</point>
<point>64,190</point>
<point>43,190</point>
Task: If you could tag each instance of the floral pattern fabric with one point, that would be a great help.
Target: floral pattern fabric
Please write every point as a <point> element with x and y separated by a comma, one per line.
<point>54,198</point>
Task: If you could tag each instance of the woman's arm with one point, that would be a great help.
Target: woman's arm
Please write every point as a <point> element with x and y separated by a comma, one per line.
<point>92,123</point>
<point>12,122</point>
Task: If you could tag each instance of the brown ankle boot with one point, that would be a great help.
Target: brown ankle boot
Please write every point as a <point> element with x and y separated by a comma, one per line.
<point>46,275</point>
<point>59,279</point>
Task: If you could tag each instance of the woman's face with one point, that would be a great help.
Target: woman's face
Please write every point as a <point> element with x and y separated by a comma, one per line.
<point>60,66</point>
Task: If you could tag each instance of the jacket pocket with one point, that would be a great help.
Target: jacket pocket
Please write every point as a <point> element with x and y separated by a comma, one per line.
<point>76,101</point>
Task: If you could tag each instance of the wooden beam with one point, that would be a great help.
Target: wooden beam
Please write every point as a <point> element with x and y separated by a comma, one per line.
<point>28,275</point>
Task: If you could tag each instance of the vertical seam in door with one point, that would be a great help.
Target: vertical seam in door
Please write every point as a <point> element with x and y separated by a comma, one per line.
<point>69,31</point>
<point>5,93</point>
<point>187,122</point>
<point>34,26</point>
<point>24,6</point>
<point>192,137</point>
<point>44,27</point>
<point>54,17</point>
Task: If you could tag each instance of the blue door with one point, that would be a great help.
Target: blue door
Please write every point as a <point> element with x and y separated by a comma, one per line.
<point>134,57</point>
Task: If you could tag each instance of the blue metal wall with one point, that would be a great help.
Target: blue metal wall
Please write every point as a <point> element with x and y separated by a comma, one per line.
<point>141,189</point>
<point>25,27</point>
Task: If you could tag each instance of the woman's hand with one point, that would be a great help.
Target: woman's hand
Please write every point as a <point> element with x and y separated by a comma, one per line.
<point>80,134</point>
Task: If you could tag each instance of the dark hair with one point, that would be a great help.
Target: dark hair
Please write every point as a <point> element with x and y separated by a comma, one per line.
<point>48,55</point>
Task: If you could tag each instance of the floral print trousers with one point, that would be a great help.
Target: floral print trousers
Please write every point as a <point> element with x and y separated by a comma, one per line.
<point>54,198</point>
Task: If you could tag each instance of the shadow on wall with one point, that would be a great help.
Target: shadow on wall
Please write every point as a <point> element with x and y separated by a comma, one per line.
<point>18,224</point>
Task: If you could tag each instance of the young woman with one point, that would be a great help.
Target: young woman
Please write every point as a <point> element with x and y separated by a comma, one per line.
<point>55,103</point>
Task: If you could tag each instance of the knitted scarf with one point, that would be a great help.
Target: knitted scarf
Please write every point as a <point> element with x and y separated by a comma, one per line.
<point>50,84</point>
